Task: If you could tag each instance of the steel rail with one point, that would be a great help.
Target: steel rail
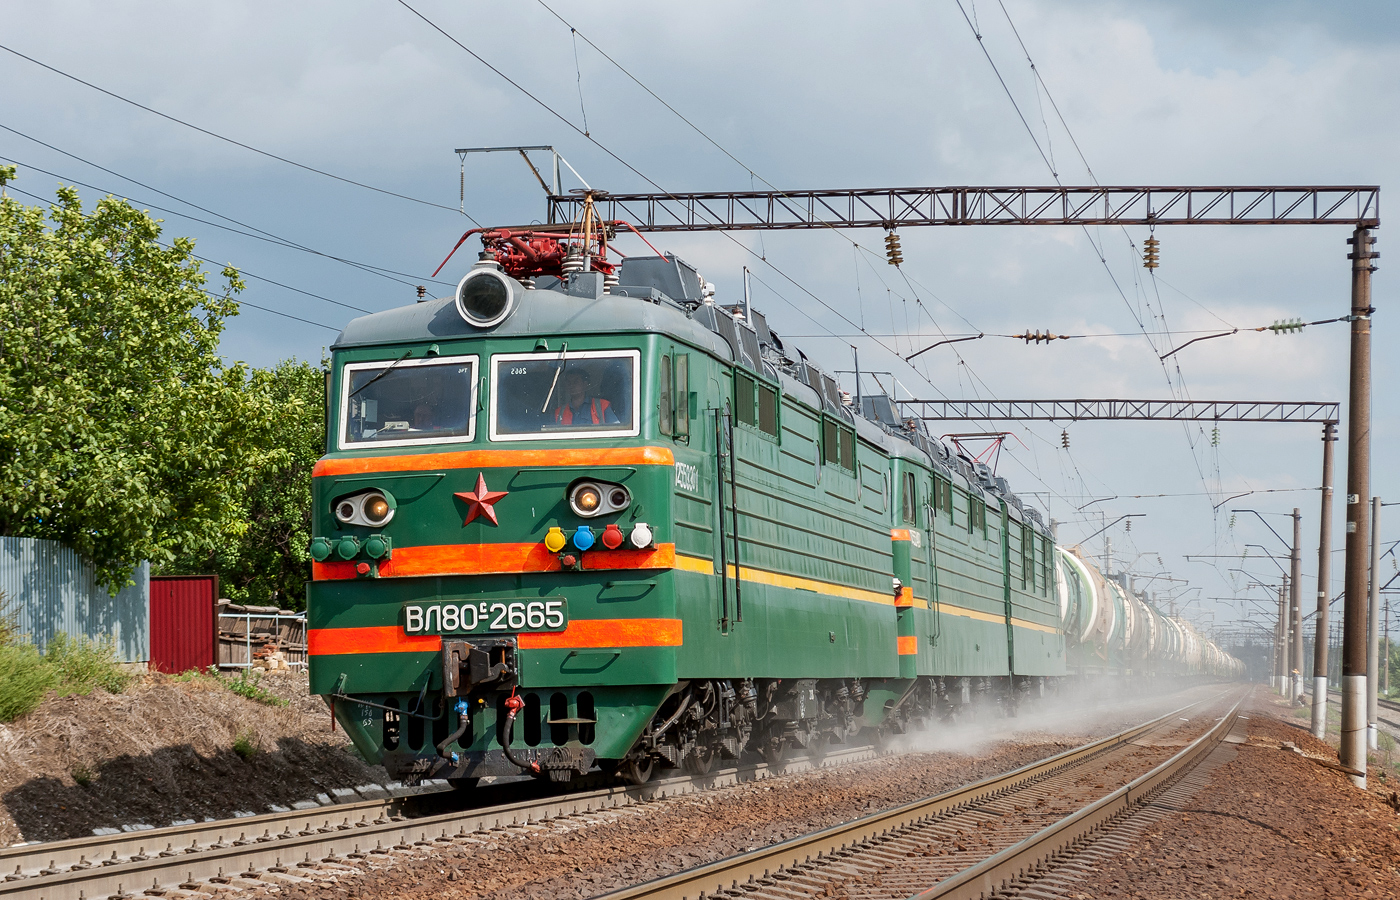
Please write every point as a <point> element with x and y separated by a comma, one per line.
<point>27,860</point>
<point>233,846</point>
<point>1019,860</point>
<point>746,867</point>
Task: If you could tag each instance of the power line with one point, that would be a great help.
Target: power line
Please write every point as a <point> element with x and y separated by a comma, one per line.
<point>229,140</point>
<point>13,189</point>
<point>274,238</point>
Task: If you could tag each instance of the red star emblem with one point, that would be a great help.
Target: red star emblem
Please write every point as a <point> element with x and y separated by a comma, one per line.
<point>481,502</point>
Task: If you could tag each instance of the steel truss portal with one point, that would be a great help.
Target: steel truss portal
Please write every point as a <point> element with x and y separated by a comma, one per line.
<point>904,207</point>
<point>1140,410</point>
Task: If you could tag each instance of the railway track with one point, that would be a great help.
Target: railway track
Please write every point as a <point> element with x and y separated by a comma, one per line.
<point>1388,711</point>
<point>231,852</point>
<point>969,842</point>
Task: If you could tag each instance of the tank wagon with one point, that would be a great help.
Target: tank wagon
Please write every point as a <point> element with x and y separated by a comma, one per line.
<point>580,515</point>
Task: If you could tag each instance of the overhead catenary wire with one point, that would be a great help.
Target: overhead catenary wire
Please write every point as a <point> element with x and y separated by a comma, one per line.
<point>241,224</point>
<point>12,189</point>
<point>229,140</point>
<point>890,292</point>
<point>282,242</point>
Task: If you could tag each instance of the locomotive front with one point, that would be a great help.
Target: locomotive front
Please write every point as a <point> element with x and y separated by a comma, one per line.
<point>492,577</point>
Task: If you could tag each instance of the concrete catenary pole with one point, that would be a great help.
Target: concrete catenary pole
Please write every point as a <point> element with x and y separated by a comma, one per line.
<point>1373,646</point>
<point>1295,604</point>
<point>1353,747</point>
<point>1281,641</point>
<point>1324,587</point>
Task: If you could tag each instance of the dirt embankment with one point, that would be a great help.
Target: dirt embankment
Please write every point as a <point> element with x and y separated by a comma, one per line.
<point>163,750</point>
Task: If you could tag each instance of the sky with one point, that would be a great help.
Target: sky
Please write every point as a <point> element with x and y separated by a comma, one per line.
<point>810,95</point>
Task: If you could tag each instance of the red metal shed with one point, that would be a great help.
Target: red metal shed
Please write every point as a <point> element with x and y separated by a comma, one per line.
<point>183,624</point>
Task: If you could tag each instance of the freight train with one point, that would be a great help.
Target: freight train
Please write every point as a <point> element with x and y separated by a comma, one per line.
<point>579,515</point>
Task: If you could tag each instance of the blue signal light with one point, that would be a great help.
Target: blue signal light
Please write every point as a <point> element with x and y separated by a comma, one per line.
<point>583,538</point>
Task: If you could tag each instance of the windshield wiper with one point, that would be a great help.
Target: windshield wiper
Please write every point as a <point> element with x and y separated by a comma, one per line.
<point>563,361</point>
<point>381,374</point>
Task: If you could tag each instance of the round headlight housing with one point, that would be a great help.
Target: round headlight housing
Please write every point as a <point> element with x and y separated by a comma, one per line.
<point>373,508</point>
<point>485,297</point>
<point>596,498</point>
<point>586,500</point>
<point>376,509</point>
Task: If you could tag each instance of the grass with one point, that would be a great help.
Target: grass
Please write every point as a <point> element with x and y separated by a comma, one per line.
<point>83,664</point>
<point>24,680</point>
<point>250,686</point>
<point>83,775</point>
<point>246,743</point>
<point>68,665</point>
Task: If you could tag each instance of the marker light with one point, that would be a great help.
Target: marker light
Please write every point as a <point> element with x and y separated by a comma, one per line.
<point>554,541</point>
<point>641,536</point>
<point>612,537</point>
<point>320,549</point>
<point>347,548</point>
<point>583,538</point>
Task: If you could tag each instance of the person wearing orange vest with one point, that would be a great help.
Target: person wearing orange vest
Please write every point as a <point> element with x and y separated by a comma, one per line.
<point>579,408</point>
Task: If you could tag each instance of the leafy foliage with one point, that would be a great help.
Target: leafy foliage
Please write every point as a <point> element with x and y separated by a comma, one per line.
<point>122,432</point>
<point>269,562</point>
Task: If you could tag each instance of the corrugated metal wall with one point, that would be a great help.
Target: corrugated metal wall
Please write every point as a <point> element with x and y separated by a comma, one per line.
<point>182,622</point>
<point>54,590</point>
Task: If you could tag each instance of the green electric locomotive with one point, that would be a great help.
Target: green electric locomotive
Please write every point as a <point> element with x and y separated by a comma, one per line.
<point>580,515</point>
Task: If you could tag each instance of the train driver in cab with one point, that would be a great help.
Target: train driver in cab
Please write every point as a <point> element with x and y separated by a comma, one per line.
<point>581,406</point>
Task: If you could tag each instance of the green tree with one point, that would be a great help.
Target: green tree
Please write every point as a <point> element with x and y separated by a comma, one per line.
<point>270,563</point>
<point>123,434</point>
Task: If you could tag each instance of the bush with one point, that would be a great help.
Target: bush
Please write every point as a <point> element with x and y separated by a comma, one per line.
<point>24,679</point>
<point>80,664</point>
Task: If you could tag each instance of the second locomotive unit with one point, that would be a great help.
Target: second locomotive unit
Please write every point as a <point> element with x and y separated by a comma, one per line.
<point>579,515</point>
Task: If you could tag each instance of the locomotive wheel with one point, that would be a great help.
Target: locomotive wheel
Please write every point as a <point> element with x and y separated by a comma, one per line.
<point>700,760</point>
<point>637,770</point>
<point>773,750</point>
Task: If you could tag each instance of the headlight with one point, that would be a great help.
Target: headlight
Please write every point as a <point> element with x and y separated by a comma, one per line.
<point>485,297</point>
<point>376,509</point>
<point>373,508</point>
<point>592,498</point>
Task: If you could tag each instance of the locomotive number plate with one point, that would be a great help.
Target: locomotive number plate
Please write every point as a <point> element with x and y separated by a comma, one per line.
<point>485,616</point>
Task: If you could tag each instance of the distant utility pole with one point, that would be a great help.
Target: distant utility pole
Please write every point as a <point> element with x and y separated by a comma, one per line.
<point>1373,646</point>
<point>1324,587</point>
<point>1295,603</point>
<point>1353,748</point>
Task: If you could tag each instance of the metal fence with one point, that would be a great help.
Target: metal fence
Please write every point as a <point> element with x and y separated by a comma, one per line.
<point>248,634</point>
<point>52,590</point>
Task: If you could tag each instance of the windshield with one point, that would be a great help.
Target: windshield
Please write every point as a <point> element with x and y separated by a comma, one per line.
<point>562,395</point>
<point>412,401</point>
